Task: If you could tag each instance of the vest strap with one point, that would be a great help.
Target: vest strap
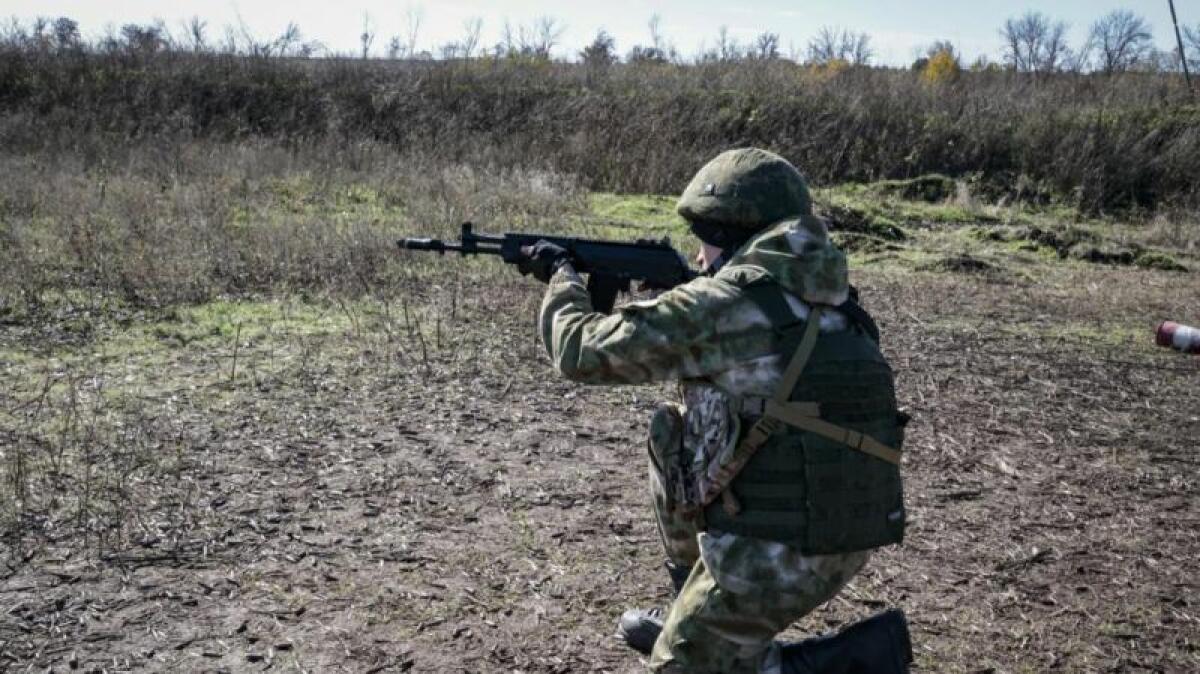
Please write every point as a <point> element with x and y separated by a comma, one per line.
<point>761,431</point>
<point>754,407</point>
<point>812,330</point>
<point>799,417</point>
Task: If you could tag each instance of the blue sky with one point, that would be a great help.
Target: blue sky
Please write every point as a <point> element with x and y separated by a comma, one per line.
<point>897,28</point>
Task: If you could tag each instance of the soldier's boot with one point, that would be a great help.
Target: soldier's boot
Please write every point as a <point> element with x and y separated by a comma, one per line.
<point>878,645</point>
<point>640,627</point>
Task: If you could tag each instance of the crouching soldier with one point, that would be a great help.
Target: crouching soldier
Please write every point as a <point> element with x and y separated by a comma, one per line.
<point>778,470</point>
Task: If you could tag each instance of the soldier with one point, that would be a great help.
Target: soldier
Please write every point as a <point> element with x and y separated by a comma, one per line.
<point>777,472</point>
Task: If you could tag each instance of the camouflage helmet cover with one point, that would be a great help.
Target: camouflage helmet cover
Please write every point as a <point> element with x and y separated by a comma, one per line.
<point>745,190</point>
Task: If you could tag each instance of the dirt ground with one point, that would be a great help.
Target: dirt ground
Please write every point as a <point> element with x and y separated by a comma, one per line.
<point>374,499</point>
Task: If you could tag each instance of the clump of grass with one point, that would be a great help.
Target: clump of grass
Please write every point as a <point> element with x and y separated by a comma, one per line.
<point>1159,261</point>
<point>846,218</point>
<point>854,242</point>
<point>74,455</point>
<point>1105,253</point>
<point>1080,243</point>
<point>932,188</point>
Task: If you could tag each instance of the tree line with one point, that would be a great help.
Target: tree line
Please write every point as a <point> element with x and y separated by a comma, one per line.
<point>634,122</point>
<point>1033,42</point>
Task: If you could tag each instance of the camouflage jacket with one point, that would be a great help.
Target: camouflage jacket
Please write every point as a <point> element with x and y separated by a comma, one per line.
<point>706,334</point>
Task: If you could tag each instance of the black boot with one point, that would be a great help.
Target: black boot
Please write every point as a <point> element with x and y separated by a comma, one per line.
<point>878,645</point>
<point>640,627</point>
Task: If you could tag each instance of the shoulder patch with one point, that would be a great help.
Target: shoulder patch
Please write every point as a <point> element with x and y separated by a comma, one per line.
<point>742,275</point>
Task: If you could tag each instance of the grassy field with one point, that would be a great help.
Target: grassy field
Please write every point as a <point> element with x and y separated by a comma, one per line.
<point>238,430</point>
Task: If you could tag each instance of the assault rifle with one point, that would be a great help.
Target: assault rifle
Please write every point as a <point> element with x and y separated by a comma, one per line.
<point>610,265</point>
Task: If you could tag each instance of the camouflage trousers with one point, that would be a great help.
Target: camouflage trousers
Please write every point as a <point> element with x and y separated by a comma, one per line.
<point>741,592</point>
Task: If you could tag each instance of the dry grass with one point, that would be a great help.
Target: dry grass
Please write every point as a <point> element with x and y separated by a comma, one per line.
<point>189,222</point>
<point>343,458</point>
<point>1094,142</point>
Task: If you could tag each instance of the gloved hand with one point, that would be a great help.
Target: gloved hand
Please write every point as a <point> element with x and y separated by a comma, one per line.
<point>542,259</point>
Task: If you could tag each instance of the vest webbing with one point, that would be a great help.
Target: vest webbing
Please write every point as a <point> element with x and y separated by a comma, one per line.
<point>802,415</point>
<point>769,423</point>
<point>805,489</point>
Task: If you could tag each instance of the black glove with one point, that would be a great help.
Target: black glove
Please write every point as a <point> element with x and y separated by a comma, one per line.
<point>542,259</point>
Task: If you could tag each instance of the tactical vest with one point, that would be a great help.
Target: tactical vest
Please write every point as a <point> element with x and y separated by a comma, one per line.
<point>825,474</point>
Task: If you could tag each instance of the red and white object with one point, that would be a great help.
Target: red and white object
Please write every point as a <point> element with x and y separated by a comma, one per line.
<point>1179,337</point>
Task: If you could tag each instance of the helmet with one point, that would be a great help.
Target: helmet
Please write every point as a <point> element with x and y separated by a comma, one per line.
<point>742,192</point>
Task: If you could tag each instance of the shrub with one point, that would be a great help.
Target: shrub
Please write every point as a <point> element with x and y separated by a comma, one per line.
<point>942,68</point>
<point>1096,143</point>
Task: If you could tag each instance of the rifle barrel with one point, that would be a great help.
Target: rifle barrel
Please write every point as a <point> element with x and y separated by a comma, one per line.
<point>440,246</point>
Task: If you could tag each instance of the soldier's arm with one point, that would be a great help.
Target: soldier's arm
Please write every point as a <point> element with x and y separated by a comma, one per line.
<point>693,330</point>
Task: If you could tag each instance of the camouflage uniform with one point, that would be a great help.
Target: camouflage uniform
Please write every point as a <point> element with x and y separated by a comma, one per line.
<point>719,345</point>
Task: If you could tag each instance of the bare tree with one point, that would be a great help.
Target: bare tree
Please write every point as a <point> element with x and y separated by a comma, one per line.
<point>40,35</point>
<point>368,36</point>
<point>727,47</point>
<point>766,46</point>
<point>239,39</point>
<point>413,16</point>
<point>601,53</point>
<point>658,51</point>
<point>472,28</point>
<point>859,48</point>
<point>290,39</point>
<point>1191,39</point>
<point>291,42</point>
<point>144,39</point>
<point>536,41</point>
<point>404,46</point>
<point>13,33</point>
<point>1122,39</point>
<point>1056,52</point>
<point>655,26</point>
<point>507,46</point>
<point>834,44</point>
<point>66,33</point>
<point>548,31</point>
<point>1034,43</point>
<point>942,47</point>
<point>823,47</point>
<point>197,34</point>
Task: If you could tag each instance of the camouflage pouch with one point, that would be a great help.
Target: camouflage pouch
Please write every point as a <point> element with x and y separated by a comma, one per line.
<point>665,445</point>
<point>672,488</point>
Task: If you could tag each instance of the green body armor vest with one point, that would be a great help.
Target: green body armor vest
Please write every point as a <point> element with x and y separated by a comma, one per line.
<point>804,488</point>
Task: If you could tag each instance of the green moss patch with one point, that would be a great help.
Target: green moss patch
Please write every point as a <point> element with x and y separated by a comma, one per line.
<point>1081,244</point>
<point>843,218</point>
<point>931,188</point>
<point>854,242</point>
<point>1159,261</point>
<point>640,210</point>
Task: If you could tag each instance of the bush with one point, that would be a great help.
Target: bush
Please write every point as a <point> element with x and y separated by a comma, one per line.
<point>1086,140</point>
<point>942,68</point>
